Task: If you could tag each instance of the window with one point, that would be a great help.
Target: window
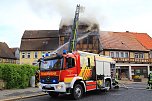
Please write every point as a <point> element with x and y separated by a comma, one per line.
<point>88,62</point>
<point>126,55</point>
<point>150,68</point>
<point>35,54</point>
<point>117,54</point>
<point>0,60</point>
<point>122,54</point>
<point>28,54</point>
<point>70,62</point>
<point>137,71</point>
<point>112,54</point>
<point>141,55</point>
<point>90,39</point>
<point>136,55</point>
<point>144,71</point>
<point>43,54</point>
<point>23,54</point>
<point>150,54</point>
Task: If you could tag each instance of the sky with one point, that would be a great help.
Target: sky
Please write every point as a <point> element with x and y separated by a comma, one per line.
<point>16,16</point>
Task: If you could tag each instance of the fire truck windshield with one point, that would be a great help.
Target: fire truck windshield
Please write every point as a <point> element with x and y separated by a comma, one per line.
<point>52,64</point>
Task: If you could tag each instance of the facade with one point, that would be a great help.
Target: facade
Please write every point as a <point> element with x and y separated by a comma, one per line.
<point>132,58</point>
<point>35,43</point>
<point>6,55</point>
<point>89,43</point>
<point>16,53</point>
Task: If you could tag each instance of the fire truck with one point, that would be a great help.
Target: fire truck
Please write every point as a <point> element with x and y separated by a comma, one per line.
<point>76,72</point>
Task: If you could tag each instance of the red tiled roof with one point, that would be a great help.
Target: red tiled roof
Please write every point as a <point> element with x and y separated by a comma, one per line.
<point>144,39</point>
<point>120,41</point>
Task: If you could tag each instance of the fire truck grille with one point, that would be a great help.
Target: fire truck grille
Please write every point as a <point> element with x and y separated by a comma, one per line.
<point>49,80</point>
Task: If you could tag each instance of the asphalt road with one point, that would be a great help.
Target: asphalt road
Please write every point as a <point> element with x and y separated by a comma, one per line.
<point>135,92</point>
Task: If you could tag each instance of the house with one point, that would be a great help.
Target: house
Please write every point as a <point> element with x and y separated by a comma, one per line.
<point>35,43</point>
<point>6,55</point>
<point>132,57</point>
<point>146,41</point>
<point>90,43</point>
<point>16,53</point>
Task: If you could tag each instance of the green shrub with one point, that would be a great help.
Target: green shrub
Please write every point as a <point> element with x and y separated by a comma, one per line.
<point>17,76</point>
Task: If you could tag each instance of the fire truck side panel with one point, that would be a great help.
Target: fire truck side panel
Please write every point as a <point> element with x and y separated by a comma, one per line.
<point>87,64</point>
<point>99,68</point>
<point>103,65</point>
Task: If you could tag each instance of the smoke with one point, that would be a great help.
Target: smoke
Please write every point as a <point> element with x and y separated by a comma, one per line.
<point>51,7</point>
<point>66,9</point>
<point>86,24</point>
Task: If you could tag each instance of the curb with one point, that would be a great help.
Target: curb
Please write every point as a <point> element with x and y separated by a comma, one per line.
<point>23,97</point>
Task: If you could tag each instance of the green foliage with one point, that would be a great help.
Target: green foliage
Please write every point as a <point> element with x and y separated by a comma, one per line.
<point>17,76</point>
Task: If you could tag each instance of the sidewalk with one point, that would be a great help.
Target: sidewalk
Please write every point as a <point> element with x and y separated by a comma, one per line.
<point>14,94</point>
<point>126,81</point>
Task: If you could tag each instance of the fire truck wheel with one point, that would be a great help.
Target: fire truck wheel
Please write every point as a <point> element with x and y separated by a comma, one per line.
<point>53,94</point>
<point>77,91</point>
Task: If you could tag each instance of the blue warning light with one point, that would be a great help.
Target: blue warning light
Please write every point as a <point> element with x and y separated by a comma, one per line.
<point>46,54</point>
<point>54,81</point>
<point>64,51</point>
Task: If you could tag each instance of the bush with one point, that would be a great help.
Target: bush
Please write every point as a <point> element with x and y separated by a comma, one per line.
<point>16,76</point>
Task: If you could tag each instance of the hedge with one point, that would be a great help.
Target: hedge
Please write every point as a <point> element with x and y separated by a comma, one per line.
<point>16,76</point>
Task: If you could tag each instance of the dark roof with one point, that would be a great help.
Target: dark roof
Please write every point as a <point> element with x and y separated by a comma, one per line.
<point>14,50</point>
<point>120,41</point>
<point>144,39</point>
<point>39,44</point>
<point>39,40</point>
<point>5,51</point>
<point>33,34</point>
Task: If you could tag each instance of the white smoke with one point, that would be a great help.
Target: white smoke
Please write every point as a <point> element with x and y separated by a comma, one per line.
<point>66,9</point>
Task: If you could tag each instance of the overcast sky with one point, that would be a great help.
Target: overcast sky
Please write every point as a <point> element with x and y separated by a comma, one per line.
<point>16,16</point>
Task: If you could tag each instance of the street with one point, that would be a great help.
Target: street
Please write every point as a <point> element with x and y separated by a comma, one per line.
<point>135,92</point>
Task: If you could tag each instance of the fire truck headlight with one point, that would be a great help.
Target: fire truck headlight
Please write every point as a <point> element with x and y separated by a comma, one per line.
<point>59,86</point>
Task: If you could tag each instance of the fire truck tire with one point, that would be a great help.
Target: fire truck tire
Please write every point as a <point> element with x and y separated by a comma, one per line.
<point>77,92</point>
<point>53,94</point>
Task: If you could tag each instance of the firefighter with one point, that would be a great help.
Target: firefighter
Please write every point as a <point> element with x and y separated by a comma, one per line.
<point>37,78</point>
<point>150,81</point>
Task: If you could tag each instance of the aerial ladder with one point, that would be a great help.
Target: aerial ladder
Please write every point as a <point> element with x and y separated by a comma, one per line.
<point>73,36</point>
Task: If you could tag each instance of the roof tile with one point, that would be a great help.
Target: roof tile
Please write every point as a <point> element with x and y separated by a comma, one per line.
<point>144,39</point>
<point>5,51</point>
<point>120,41</point>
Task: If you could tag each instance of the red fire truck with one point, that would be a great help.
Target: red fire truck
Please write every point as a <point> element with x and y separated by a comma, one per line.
<point>76,72</point>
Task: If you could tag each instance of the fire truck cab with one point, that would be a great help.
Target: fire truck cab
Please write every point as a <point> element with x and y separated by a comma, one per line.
<point>76,73</point>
